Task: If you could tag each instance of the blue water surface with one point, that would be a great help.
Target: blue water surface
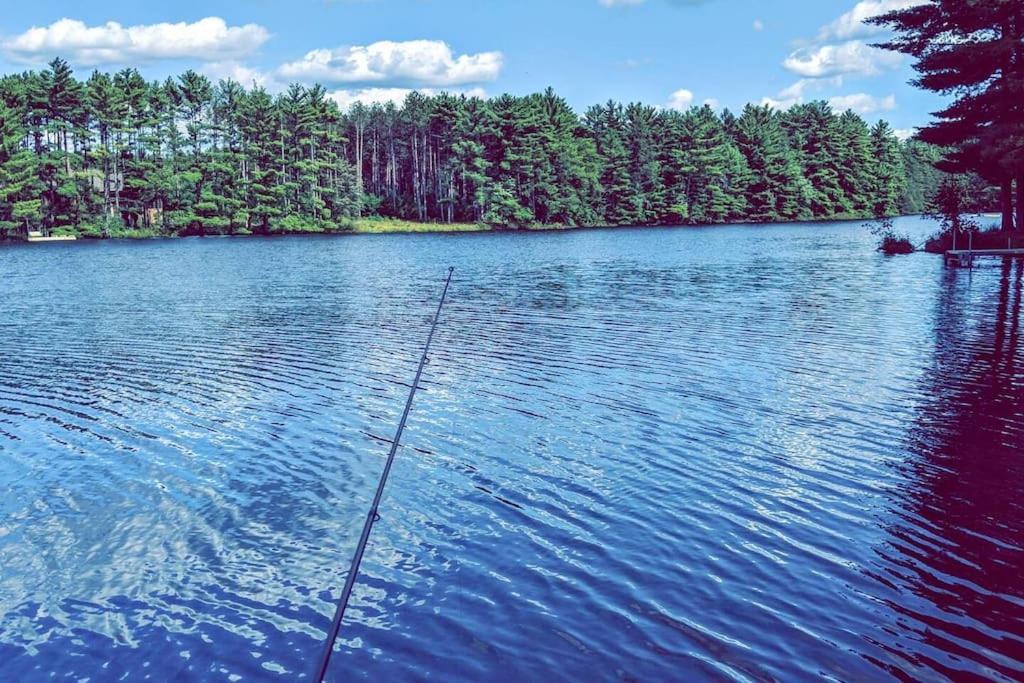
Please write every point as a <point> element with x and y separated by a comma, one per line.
<point>738,453</point>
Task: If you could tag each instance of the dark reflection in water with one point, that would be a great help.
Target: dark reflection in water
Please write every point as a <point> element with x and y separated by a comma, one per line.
<point>743,453</point>
<point>956,552</point>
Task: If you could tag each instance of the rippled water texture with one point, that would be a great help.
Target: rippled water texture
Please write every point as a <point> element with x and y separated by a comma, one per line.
<point>747,453</point>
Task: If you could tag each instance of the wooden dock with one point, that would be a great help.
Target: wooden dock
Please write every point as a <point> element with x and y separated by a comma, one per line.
<point>964,258</point>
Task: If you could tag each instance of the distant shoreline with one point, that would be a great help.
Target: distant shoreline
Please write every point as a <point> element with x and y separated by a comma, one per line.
<point>387,226</point>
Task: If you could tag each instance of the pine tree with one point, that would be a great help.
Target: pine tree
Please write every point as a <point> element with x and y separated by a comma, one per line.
<point>889,181</point>
<point>819,147</point>
<point>856,160</point>
<point>975,52</point>
<point>20,206</point>
<point>648,196</point>
<point>258,121</point>
<point>606,125</point>
<point>187,157</point>
<point>475,134</point>
<point>574,166</point>
<point>923,177</point>
<point>777,189</point>
<point>705,173</point>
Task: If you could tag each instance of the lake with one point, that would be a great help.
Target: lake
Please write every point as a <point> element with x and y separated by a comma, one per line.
<point>733,453</point>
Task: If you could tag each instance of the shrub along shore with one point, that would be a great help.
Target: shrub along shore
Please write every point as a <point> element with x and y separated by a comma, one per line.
<point>363,226</point>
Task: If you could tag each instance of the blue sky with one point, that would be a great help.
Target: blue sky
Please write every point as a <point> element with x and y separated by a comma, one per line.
<point>662,52</point>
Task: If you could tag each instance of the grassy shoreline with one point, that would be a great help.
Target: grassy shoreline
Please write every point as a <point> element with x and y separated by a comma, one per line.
<point>395,226</point>
<point>360,226</point>
<point>382,226</point>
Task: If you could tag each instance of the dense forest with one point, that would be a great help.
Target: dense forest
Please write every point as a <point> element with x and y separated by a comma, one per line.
<point>116,154</point>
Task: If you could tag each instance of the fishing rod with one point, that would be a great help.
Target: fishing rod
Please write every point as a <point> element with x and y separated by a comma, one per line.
<point>372,516</point>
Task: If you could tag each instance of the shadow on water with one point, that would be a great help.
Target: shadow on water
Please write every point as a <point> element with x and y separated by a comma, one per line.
<point>955,554</point>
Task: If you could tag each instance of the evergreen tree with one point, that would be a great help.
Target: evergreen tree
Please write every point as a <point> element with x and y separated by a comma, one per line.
<point>856,161</point>
<point>889,182</point>
<point>189,157</point>
<point>571,163</point>
<point>258,124</point>
<point>777,189</point>
<point>20,206</point>
<point>707,176</point>
<point>648,196</point>
<point>819,146</point>
<point>607,127</point>
<point>975,52</point>
<point>475,134</point>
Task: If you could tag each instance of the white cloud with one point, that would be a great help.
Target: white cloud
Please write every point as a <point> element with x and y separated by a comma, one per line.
<point>680,100</point>
<point>244,75</point>
<point>782,104</point>
<point>794,94</point>
<point>836,53</point>
<point>369,96</point>
<point>758,25</point>
<point>862,103</point>
<point>210,38</point>
<point>414,62</point>
<point>905,134</point>
<point>805,85</point>
<point>853,57</point>
<point>712,102</point>
<point>851,24</point>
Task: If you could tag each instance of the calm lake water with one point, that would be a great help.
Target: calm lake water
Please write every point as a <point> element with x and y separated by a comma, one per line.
<point>740,453</point>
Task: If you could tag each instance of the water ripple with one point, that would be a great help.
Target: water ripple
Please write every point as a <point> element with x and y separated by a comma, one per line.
<point>732,454</point>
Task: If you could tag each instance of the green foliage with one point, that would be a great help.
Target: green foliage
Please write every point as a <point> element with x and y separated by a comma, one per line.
<point>295,223</point>
<point>973,52</point>
<point>778,190</point>
<point>949,207</point>
<point>706,175</point>
<point>28,210</point>
<point>504,209</point>
<point>891,243</point>
<point>890,176</point>
<point>117,155</point>
<point>185,156</point>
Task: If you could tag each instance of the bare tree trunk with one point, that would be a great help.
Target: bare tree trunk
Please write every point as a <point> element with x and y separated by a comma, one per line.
<point>360,144</point>
<point>105,141</point>
<point>375,166</point>
<point>67,154</point>
<point>1007,202</point>
<point>1020,201</point>
<point>416,177</point>
<point>117,179</point>
<point>283,179</point>
<point>392,170</point>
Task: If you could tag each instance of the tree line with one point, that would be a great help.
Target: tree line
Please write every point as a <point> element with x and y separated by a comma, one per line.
<point>974,52</point>
<point>187,156</point>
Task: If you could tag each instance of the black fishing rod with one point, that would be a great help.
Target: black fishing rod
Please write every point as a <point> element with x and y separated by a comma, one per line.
<point>372,516</point>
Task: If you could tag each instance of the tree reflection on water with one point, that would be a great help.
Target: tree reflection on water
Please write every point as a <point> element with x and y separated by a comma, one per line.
<point>955,552</point>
